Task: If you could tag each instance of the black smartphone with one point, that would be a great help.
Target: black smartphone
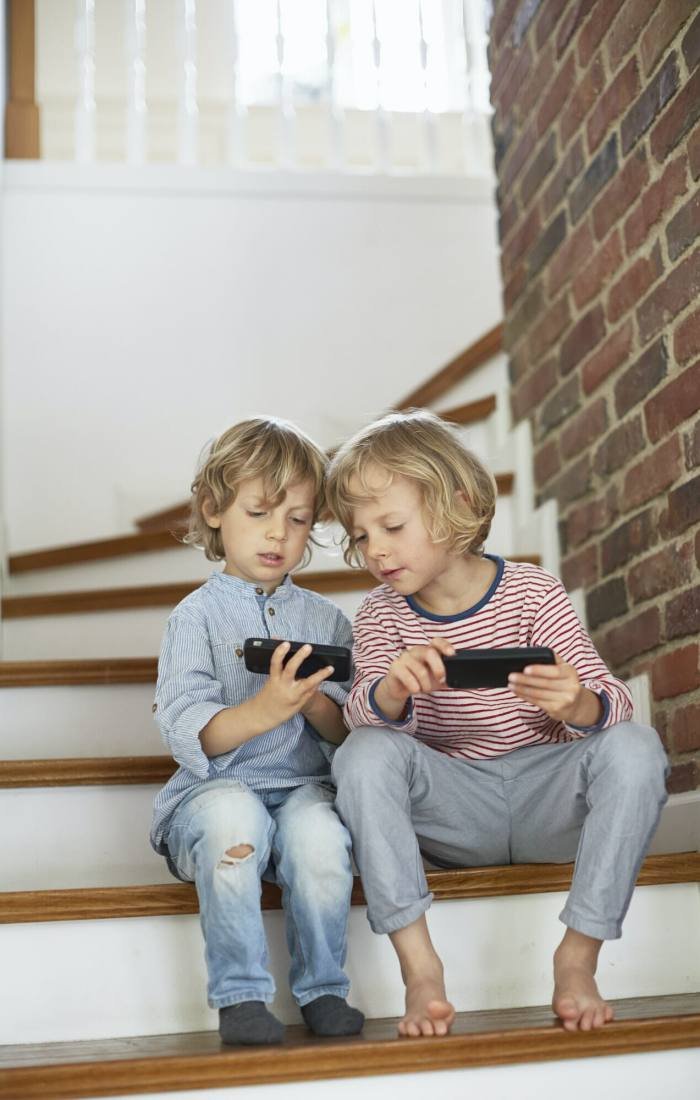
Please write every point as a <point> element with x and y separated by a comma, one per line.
<point>258,652</point>
<point>489,668</point>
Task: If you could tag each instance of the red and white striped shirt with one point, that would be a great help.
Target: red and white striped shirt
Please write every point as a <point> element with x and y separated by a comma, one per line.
<point>525,606</point>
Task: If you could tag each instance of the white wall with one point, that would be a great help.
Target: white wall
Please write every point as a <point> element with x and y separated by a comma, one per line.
<point>146,310</point>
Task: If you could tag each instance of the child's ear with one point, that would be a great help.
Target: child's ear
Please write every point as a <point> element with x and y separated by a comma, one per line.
<point>210,514</point>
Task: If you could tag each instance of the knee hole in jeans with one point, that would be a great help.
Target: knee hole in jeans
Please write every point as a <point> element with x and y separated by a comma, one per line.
<point>238,854</point>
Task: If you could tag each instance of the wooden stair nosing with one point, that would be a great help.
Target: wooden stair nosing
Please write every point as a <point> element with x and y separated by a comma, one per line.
<point>454,371</point>
<point>161,595</point>
<point>86,771</point>
<point>155,1064</point>
<point>471,412</point>
<point>80,671</point>
<point>96,903</point>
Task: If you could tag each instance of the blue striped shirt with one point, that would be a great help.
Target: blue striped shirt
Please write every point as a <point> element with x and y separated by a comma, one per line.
<point>201,671</point>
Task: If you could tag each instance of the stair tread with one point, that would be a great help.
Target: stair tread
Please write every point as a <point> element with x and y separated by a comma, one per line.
<point>180,899</point>
<point>199,1059</point>
<point>80,670</point>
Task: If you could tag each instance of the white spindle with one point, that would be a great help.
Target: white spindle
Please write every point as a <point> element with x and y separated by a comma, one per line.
<point>381,122</point>
<point>238,112</point>
<point>136,81</point>
<point>85,112</point>
<point>430,136</point>
<point>285,104</point>
<point>335,117</point>
<point>469,58</point>
<point>476,48</point>
<point>188,111</point>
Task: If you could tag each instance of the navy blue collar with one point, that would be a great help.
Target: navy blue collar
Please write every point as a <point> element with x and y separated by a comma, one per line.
<point>415,606</point>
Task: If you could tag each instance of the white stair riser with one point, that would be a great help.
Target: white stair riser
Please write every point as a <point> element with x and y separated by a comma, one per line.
<point>135,632</point>
<point>144,976</point>
<point>57,837</point>
<point>88,720</point>
<point>648,1076</point>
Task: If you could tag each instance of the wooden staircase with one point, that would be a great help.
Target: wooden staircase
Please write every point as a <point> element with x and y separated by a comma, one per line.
<point>105,943</point>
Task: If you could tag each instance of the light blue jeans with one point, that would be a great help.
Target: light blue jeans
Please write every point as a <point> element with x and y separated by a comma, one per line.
<point>296,839</point>
<point>596,800</point>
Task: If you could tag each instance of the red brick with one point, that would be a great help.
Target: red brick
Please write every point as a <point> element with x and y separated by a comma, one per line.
<point>541,74</point>
<point>549,241</point>
<point>505,94</point>
<point>570,258</point>
<point>676,402</point>
<point>692,447</point>
<point>694,153</point>
<point>538,171</point>
<point>549,329</point>
<point>557,95</point>
<point>683,509</point>
<point>670,297</point>
<point>685,728</point>
<point>617,96</point>
<point>522,239</point>
<point>683,777</point>
<point>585,93</point>
<point>514,161</point>
<point>607,601</point>
<point>588,519</point>
<point>684,227</point>
<point>683,613</point>
<point>503,17</point>
<point>535,387</point>
<point>560,405</point>
<point>657,199</point>
<point>513,289</point>
<point>580,570</point>
<point>637,635</point>
<point>521,319</point>
<point>627,541</point>
<point>691,44</point>
<point>594,30</point>
<point>573,483</point>
<point>620,193</point>
<point>508,218</point>
<point>597,273</point>
<point>619,447</point>
<point>627,28</point>
<point>649,105</point>
<point>686,341</point>
<point>681,114</point>
<point>589,425</point>
<point>575,14</point>
<point>546,462</point>
<point>586,334</point>
<point>661,572</point>
<point>634,284</point>
<point>607,358</point>
<point>675,673</point>
<point>641,377</point>
<point>662,29</point>
<point>547,20</point>
<point>653,474</point>
<point>570,167</point>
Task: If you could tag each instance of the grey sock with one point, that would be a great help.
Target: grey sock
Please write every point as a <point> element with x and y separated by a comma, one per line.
<point>329,1015</point>
<point>248,1023</point>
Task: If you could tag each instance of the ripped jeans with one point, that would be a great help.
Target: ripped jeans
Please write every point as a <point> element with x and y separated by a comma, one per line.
<point>297,840</point>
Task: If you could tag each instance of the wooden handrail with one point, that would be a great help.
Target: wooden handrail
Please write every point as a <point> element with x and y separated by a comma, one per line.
<point>458,368</point>
<point>21,113</point>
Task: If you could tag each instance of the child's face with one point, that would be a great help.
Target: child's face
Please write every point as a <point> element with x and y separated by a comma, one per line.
<point>262,542</point>
<point>391,535</point>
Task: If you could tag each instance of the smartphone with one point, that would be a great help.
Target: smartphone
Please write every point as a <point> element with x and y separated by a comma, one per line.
<point>489,668</point>
<point>258,651</point>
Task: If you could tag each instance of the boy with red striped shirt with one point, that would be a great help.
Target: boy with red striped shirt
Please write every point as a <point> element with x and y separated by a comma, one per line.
<point>545,770</point>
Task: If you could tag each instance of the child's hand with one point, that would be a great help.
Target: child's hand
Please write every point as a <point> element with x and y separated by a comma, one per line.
<point>283,695</point>
<point>419,669</point>
<point>557,690</point>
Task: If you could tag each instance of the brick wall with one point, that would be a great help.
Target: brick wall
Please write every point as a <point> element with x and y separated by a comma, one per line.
<point>597,136</point>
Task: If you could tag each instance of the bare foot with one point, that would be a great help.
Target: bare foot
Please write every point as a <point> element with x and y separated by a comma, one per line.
<point>428,1012</point>
<point>577,1001</point>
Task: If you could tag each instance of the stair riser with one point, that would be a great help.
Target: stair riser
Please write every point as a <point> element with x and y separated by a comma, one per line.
<point>135,632</point>
<point>109,720</point>
<point>146,976</point>
<point>70,837</point>
<point>672,1073</point>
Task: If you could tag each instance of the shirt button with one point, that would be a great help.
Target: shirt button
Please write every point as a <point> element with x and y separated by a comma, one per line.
<point>259,591</point>
<point>239,652</point>
<point>154,708</point>
<point>270,610</point>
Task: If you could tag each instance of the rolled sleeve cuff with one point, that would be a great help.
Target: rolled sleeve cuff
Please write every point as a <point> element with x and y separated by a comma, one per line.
<point>600,725</point>
<point>183,740</point>
<point>335,691</point>
<point>398,723</point>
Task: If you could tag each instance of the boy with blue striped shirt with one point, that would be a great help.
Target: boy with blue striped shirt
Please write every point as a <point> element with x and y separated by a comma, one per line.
<point>253,794</point>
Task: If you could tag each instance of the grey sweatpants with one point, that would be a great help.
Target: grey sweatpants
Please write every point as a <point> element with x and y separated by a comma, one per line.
<point>596,800</point>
